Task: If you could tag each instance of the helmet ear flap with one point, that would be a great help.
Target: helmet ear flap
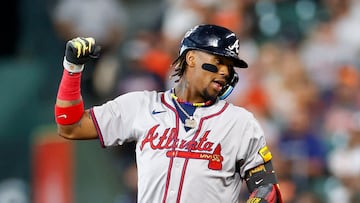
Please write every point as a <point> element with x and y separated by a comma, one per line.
<point>228,88</point>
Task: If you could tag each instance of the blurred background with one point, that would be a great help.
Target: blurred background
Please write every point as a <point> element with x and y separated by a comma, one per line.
<point>302,85</point>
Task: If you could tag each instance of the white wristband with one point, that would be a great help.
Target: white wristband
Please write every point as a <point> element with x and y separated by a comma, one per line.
<point>72,68</point>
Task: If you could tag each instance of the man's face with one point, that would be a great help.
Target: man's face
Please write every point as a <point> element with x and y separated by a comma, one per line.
<point>208,84</point>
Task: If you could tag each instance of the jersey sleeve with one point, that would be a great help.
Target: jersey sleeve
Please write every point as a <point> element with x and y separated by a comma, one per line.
<point>115,118</point>
<point>255,145</point>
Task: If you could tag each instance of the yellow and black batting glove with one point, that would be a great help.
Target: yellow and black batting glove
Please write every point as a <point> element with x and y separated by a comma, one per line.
<point>80,50</point>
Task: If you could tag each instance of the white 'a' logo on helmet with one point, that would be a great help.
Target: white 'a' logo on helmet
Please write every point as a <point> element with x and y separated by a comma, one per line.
<point>234,47</point>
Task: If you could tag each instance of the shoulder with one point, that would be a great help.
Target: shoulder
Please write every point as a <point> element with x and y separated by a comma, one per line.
<point>239,112</point>
<point>243,118</point>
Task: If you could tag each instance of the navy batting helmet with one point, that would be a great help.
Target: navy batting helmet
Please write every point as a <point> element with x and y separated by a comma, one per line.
<point>215,40</point>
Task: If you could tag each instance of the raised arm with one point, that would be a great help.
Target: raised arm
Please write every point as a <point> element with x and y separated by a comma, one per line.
<point>72,120</point>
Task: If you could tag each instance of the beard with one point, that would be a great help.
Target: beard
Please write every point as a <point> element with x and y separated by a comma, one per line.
<point>207,96</point>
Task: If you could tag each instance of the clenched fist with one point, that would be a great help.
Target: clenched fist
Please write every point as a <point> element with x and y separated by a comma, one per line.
<point>79,51</point>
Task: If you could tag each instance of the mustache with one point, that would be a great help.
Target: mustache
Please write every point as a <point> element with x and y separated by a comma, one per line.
<point>209,67</point>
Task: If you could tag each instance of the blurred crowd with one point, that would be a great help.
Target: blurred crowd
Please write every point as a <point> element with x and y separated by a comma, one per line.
<point>302,82</point>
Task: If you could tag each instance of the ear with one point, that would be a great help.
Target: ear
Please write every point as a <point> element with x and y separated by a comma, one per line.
<point>190,58</point>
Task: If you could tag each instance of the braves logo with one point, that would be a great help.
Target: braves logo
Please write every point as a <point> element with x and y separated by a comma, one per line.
<point>184,148</point>
<point>234,47</point>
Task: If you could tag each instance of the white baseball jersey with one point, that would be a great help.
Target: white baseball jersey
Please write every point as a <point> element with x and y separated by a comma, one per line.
<point>175,165</point>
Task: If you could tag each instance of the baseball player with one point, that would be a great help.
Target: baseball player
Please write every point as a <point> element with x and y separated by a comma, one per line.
<point>191,144</point>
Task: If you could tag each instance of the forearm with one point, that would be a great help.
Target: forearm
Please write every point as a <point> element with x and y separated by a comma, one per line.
<point>69,106</point>
<point>72,119</point>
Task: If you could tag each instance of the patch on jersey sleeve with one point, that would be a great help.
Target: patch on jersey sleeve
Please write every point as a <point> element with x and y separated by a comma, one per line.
<point>265,154</point>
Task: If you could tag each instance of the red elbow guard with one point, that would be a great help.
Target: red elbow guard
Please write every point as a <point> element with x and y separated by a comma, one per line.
<point>69,115</point>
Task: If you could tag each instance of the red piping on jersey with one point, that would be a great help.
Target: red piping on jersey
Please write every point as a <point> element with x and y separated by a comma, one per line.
<point>187,159</point>
<point>173,148</point>
<point>195,136</point>
<point>97,127</point>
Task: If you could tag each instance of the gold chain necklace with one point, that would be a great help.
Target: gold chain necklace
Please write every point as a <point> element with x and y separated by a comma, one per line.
<point>189,121</point>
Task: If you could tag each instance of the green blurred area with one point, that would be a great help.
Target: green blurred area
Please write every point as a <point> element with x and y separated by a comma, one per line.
<point>20,84</point>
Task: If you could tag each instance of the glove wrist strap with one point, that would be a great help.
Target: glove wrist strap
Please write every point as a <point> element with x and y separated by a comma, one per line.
<point>72,68</point>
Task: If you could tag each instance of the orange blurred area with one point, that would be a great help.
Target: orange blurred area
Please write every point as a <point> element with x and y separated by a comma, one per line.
<point>52,170</point>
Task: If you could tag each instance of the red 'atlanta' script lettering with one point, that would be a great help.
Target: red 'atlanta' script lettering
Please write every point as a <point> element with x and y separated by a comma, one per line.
<point>168,140</point>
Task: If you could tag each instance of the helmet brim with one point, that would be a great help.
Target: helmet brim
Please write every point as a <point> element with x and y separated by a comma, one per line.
<point>238,63</point>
